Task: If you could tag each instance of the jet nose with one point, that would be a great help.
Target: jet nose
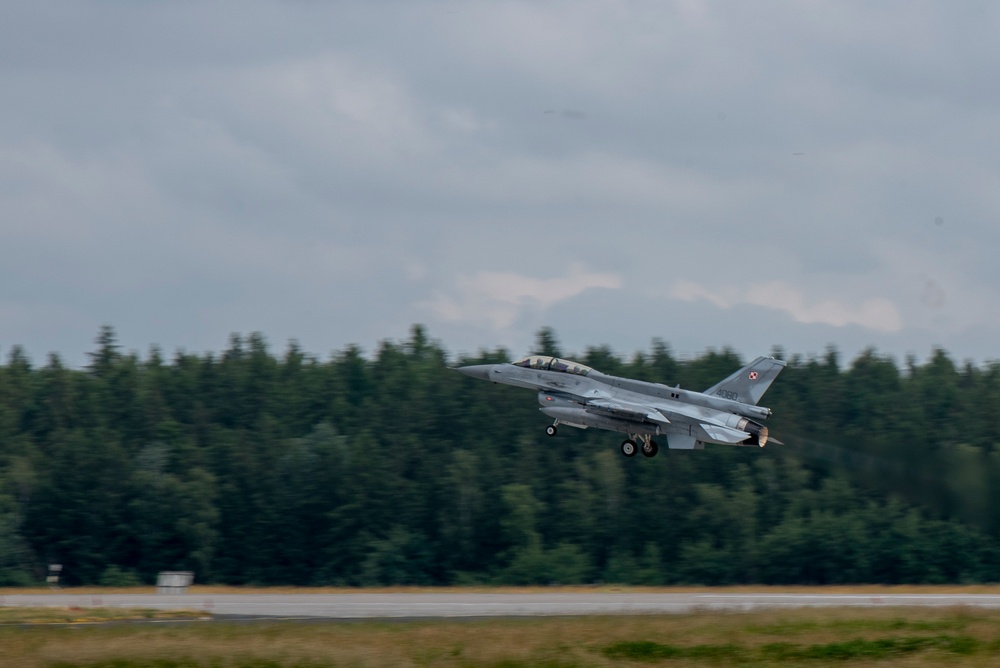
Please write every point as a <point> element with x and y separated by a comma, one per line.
<point>480,371</point>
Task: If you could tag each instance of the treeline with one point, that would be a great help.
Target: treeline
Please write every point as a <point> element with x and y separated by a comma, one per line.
<point>250,467</point>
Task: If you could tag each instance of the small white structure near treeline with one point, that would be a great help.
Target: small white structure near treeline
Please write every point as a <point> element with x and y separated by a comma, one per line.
<point>174,582</point>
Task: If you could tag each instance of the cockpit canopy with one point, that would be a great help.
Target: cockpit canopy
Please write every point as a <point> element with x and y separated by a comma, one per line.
<point>546,363</point>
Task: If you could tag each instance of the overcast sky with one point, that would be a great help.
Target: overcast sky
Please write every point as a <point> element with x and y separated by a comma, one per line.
<point>798,174</point>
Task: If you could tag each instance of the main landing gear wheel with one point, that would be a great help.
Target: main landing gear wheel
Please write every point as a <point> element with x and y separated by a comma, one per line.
<point>650,448</point>
<point>551,430</point>
<point>629,448</point>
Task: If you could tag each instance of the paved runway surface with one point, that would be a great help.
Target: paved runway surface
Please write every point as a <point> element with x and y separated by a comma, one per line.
<point>405,605</point>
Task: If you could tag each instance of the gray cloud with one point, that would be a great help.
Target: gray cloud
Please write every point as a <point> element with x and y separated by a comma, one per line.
<point>333,172</point>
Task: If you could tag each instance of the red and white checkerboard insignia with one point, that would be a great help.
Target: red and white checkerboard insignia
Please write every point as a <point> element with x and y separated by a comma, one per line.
<point>753,375</point>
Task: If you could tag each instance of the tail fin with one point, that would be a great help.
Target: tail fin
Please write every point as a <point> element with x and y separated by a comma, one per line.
<point>750,383</point>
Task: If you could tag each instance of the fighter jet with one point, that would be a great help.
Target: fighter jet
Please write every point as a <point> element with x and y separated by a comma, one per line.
<point>576,395</point>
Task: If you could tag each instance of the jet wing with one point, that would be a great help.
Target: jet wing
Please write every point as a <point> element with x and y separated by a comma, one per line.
<point>625,410</point>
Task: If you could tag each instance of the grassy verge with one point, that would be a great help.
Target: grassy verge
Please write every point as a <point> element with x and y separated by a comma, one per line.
<point>810,637</point>
<point>58,615</point>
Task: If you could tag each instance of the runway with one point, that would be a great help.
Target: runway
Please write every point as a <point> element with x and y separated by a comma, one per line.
<point>457,605</point>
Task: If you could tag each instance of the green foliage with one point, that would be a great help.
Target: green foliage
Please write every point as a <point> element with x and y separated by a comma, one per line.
<point>857,649</point>
<point>113,576</point>
<point>647,650</point>
<point>389,468</point>
<point>532,565</point>
<point>14,563</point>
<point>878,649</point>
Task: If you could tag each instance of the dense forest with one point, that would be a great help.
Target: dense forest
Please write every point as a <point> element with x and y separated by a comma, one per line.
<point>255,467</point>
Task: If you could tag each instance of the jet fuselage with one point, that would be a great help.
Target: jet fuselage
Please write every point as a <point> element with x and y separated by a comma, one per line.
<point>579,396</point>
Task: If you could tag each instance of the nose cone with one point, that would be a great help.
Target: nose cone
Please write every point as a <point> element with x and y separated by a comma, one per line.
<point>480,371</point>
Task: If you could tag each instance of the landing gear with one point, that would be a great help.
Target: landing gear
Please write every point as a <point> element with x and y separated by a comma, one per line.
<point>643,442</point>
<point>650,448</point>
<point>551,430</point>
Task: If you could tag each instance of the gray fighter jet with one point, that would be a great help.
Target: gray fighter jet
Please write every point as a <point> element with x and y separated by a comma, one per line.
<point>578,396</point>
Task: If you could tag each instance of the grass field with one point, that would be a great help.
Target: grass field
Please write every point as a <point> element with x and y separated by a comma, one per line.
<point>91,615</point>
<point>809,637</point>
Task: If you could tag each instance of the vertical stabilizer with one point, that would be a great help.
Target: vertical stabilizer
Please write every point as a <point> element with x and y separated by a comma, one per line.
<point>750,383</point>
